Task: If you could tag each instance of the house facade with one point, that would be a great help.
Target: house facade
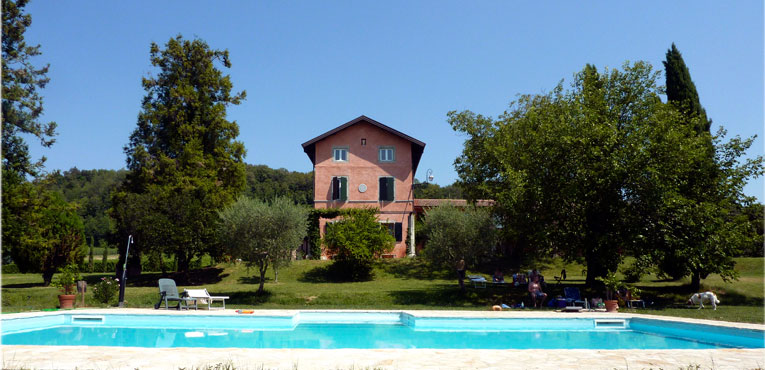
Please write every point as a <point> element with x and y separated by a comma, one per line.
<point>364,163</point>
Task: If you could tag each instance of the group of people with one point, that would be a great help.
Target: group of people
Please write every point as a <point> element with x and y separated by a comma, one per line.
<point>538,296</point>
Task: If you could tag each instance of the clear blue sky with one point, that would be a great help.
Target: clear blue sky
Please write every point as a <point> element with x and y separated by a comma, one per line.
<point>309,66</point>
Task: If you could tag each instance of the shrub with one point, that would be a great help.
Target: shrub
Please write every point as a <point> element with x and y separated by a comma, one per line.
<point>67,279</point>
<point>106,289</point>
<point>10,269</point>
<point>355,241</point>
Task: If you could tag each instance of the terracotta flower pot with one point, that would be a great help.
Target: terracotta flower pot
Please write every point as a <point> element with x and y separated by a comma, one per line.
<point>66,301</point>
<point>612,306</point>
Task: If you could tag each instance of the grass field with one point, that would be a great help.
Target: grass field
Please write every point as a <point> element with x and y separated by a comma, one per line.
<point>399,284</point>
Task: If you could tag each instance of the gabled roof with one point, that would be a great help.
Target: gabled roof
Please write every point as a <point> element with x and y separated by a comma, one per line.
<point>309,147</point>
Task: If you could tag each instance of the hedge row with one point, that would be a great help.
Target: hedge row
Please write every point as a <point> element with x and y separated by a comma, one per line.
<point>111,266</point>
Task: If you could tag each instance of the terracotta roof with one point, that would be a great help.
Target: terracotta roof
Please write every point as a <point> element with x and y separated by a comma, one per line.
<point>455,202</point>
<point>417,146</point>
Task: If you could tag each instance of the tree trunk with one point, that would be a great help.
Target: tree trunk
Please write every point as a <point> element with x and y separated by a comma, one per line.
<point>695,281</point>
<point>263,269</point>
<point>595,268</point>
<point>183,262</point>
<point>162,264</point>
<point>48,276</point>
<point>276,274</point>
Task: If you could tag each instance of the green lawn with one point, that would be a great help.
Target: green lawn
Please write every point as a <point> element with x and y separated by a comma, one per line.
<point>398,284</point>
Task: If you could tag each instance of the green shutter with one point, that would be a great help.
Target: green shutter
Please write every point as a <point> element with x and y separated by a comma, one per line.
<point>335,188</point>
<point>343,188</point>
<point>389,188</point>
<point>381,186</point>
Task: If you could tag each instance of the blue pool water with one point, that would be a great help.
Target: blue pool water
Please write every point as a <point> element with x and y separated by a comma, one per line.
<point>370,330</point>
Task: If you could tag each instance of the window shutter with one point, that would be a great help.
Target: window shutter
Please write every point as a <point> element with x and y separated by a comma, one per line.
<point>343,188</point>
<point>399,232</point>
<point>335,188</point>
<point>390,189</point>
<point>383,189</point>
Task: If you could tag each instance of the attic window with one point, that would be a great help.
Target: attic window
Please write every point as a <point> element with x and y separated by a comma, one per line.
<point>363,142</point>
<point>340,154</point>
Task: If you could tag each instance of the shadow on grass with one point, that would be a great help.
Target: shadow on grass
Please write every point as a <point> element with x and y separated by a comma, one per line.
<point>318,274</point>
<point>449,296</point>
<point>335,273</point>
<point>24,285</point>
<point>203,276</point>
<point>414,269</point>
<point>253,280</point>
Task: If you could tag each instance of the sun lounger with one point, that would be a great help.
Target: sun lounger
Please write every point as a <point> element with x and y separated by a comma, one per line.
<point>169,292</point>
<point>203,296</point>
<point>478,280</point>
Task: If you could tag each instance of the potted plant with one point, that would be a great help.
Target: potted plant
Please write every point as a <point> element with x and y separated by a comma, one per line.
<point>67,281</point>
<point>612,285</point>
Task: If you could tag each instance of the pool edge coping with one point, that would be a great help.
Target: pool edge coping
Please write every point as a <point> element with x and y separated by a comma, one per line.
<point>413,313</point>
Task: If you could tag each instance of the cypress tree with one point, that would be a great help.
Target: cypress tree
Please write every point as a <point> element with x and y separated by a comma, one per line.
<point>90,255</point>
<point>681,90</point>
<point>105,255</point>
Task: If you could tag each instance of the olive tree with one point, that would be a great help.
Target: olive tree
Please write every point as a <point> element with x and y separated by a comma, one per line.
<point>262,233</point>
<point>453,233</point>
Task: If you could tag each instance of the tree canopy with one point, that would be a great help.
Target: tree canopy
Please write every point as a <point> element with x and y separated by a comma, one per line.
<point>424,190</point>
<point>91,191</point>
<point>184,163</point>
<point>453,234</point>
<point>596,172</point>
<point>263,233</point>
<point>22,103</point>
<point>267,183</point>
<point>50,235</point>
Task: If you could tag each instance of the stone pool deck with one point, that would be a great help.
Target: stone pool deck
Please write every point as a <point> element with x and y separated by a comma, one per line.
<point>71,357</point>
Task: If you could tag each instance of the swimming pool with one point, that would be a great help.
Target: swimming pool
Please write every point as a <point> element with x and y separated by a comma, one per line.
<point>370,330</point>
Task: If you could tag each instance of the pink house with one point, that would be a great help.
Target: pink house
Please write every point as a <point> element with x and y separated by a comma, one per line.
<point>364,163</point>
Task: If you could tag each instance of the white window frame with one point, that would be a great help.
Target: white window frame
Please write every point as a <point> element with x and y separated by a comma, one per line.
<point>336,149</point>
<point>385,148</point>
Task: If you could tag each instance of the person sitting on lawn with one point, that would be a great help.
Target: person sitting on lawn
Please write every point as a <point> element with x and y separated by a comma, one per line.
<point>498,276</point>
<point>535,273</point>
<point>537,295</point>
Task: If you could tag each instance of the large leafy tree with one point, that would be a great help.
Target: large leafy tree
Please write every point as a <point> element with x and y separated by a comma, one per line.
<point>22,103</point>
<point>261,233</point>
<point>91,190</point>
<point>52,233</point>
<point>183,160</point>
<point>267,183</point>
<point>597,171</point>
<point>698,221</point>
<point>41,232</point>
<point>697,232</point>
